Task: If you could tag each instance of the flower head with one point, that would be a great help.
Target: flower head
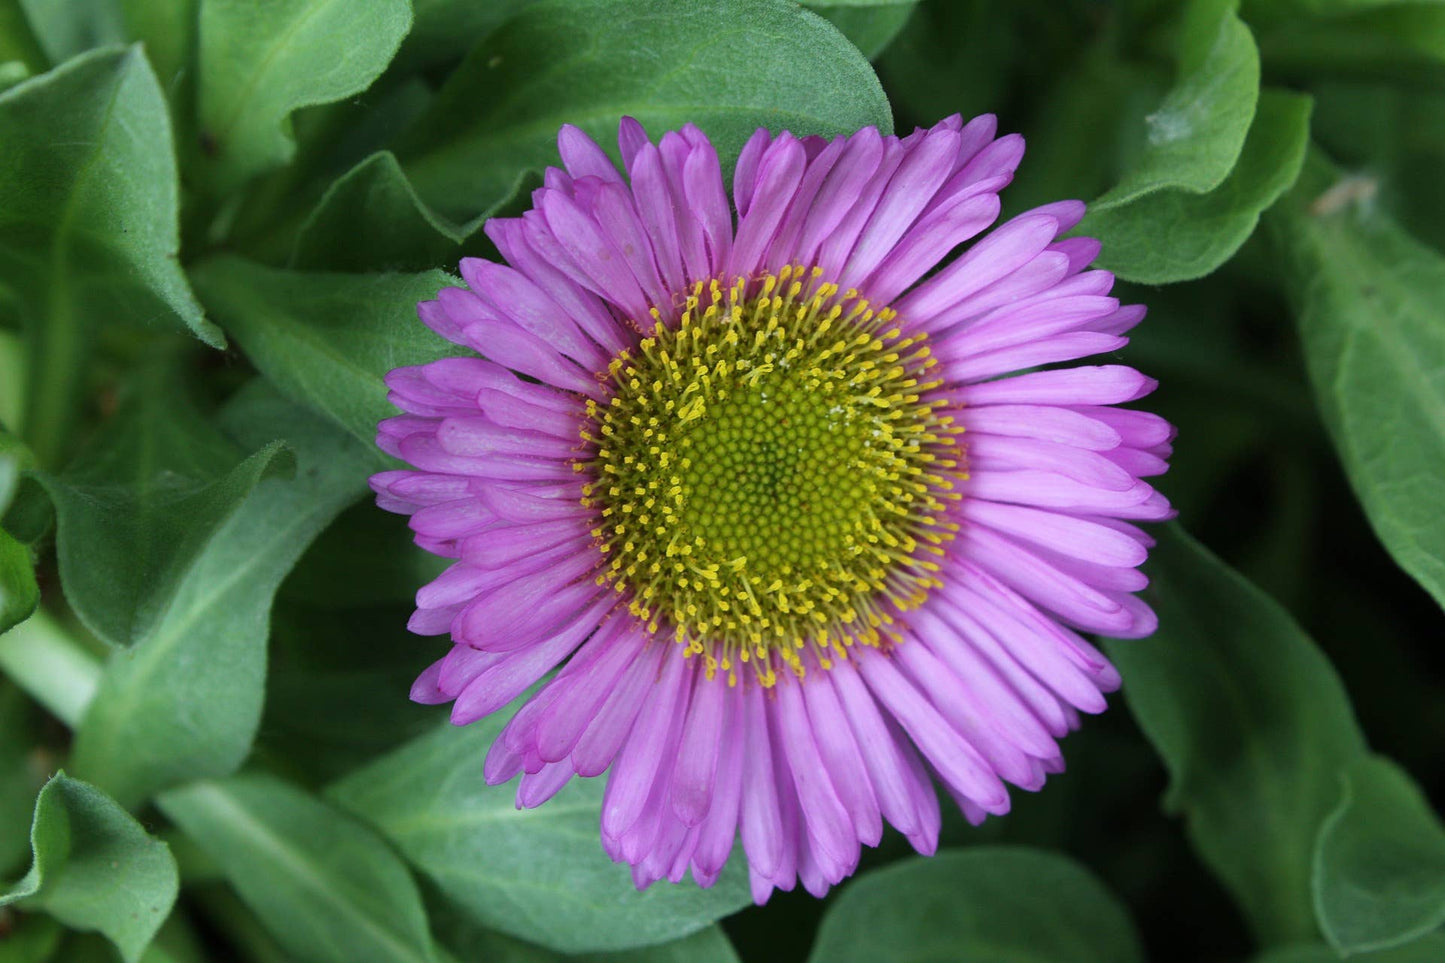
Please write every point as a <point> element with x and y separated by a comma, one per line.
<point>770,492</point>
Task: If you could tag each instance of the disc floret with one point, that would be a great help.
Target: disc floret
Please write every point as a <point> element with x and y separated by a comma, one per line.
<point>772,472</point>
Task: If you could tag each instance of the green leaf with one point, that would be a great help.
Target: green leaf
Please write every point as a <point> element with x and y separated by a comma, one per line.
<point>261,61</point>
<point>870,27</point>
<point>1379,876</point>
<point>1174,235</point>
<point>168,30</point>
<point>18,43</point>
<point>537,874</point>
<point>982,904</point>
<point>444,30</point>
<point>471,942</point>
<point>729,66</point>
<point>32,939</point>
<point>326,340</point>
<point>326,887</point>
<point>1430,949</point>
<point>19,593</point>
<point>1194,138</point>
<point>372,219</point>
<point>1367,300</point>
<point>68,28</point>
<point>1378,39</point>
<point>184,702</point>
<point>96,868</point>
<point>138,506</point>
<point>88,230</point>
<point>1253,726</point>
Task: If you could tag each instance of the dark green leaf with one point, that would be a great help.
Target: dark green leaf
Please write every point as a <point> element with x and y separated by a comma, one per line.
<point>870,27</point>
<point>978,905</point>
<point>1376,39</point>
<point>537,874</point>
<point>168,30</point>
<point>325,886</point>
<point>88,230</point>
<point>138,507</point>
<point>32,939</point>
<point>18,592</point>
<point>446,29</point>
<point>1430,949</point>
<point>185,700</point>
<point>19,776</point>
<point>1194,138</point>
<point>1175,235</point>
<point>1379,876</point>
<point>372,219</point>
<point>1367,298</point>
<point>260,62</point>
<point>326,340</point>
<point>1252,723</point>
<point>729,66</point>
<point>96,868</point>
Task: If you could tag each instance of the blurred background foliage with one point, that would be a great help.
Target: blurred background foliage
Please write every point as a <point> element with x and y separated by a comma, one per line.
<point>215,217</point>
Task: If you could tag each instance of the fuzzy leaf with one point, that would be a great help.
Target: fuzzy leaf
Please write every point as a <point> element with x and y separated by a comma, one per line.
<point>1174,235</point>
<point>327,887</point>
<point>537,874</point>
<point>184,702</point>
<point>326,340</point>
<point>259,61</point>
<point>1194,138</point>
<point>96,868</point>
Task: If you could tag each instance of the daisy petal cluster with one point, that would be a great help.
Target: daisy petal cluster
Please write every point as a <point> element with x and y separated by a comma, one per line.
<point>757,475</point>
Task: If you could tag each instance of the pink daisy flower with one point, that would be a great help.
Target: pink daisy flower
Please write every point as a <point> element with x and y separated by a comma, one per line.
<point>759,475</point>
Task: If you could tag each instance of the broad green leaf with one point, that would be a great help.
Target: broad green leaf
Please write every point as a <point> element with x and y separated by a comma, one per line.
<point>540,874</point>
<point>67,28</point>
<point>1253,726</point>
<point>1195,136</point>
<point>326,887</point>
<point>95,867</point>
<point>88,230</point>
<point>1430,949</point>
<point>1379,877</point>
<point>138,507</point>
<point>184,702</point>
<point>1367,299</point>
<point>870,27</point>
<point>326,340</point>
<point>729,66</point>
<point>978,905</point>
<point>1174,235</point>
<point>262,59</point>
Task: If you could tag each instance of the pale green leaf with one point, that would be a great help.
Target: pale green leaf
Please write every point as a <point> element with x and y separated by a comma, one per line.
<point>326,887</point>
<point>96,868</point>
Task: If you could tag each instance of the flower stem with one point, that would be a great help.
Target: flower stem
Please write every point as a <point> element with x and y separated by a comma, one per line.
<point>41,657</point>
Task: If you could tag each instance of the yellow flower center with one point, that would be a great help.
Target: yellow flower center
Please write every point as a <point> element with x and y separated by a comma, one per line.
<point>771,473</point>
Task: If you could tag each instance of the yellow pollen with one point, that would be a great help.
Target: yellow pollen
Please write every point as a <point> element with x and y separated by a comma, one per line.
<point>776,473</point>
